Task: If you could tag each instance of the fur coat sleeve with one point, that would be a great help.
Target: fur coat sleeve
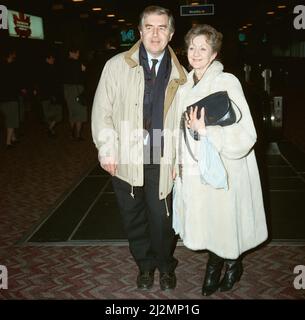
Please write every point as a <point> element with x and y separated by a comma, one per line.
<point>235,141</point>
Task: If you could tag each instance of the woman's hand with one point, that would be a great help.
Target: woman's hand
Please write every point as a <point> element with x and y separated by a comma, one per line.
<point>196,124</point>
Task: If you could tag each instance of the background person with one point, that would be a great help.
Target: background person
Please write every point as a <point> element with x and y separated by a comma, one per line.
<point>50,93</point>
<point>9,96</point>
<point>73,79</point>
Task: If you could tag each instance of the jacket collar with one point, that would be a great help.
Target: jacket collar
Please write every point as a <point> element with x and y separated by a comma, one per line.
<point>132,59</point>
<point>193,93</point>
<point>212,71</point>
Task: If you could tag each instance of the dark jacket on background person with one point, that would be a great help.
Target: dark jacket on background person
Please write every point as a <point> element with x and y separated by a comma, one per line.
<point>49,85</point>
<point>72,72</point>
<point>10,87</point>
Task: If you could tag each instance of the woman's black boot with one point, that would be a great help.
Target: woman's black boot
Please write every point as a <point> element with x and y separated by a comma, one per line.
<point>234,270</point>
<point>212,274</point>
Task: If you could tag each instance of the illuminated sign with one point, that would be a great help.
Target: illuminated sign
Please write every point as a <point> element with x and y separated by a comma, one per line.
<point>242,37</point>
<point>23,25</point>
<point>200,10</point>
<point>127,37</point>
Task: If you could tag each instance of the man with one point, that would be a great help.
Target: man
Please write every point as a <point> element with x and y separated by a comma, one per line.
<point>135,92</point>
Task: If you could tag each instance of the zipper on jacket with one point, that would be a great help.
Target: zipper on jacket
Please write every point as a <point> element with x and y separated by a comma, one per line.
<point>167,212</point>
<point>131,193</point>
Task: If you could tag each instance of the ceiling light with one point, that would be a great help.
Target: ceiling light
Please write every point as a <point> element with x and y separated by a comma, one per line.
<point>270,12</point>
<point>121,20</point>
<point>97,9</point>
<point>281,6</point>
<point>77,0</point>
<point>111,15</point>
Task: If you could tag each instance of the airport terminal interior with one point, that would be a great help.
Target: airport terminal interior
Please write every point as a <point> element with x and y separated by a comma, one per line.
<point>61,235</point>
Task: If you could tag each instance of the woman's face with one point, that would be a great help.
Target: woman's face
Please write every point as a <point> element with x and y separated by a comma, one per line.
<point>200,53</point>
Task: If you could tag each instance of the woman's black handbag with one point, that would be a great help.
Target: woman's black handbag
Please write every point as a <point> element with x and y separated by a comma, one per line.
<point>218,109</point>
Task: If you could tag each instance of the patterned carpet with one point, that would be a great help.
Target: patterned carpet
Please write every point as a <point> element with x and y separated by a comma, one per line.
<point>108,272</point>
<point>37,173</point>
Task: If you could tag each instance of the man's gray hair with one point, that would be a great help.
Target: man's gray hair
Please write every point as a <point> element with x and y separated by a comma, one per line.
<point>159,11</point>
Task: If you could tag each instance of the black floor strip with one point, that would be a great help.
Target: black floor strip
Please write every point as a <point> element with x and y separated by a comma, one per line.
<point>90,213</point>
<point>103,222</point>
<point>63,220</point>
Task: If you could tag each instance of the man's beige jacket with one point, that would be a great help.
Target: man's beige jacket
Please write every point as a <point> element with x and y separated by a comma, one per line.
<point>117,118</point>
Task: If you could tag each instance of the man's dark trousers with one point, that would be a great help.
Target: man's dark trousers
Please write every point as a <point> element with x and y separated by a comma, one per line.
<point>148,227</point>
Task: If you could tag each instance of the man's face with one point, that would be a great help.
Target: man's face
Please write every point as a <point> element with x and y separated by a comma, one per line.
<point>155,33</point>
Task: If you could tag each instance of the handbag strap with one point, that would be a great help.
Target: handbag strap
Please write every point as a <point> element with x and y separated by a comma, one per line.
<point>238,110</point>
<point>186,139</point>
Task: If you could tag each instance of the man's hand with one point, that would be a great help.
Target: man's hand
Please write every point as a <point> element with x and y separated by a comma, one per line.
<point>108,164</point>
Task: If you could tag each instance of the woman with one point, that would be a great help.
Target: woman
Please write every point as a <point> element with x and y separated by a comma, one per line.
<point>9,95</point>
<point>50,93</point>
<point>226,220</point>
<point>74,92</point>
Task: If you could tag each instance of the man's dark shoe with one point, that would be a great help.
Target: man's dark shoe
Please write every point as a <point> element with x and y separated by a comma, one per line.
<point>167,280</point>
<point>145,280</point>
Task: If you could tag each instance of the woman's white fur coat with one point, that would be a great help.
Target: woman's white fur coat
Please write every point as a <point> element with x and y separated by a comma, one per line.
<point>227,222</point>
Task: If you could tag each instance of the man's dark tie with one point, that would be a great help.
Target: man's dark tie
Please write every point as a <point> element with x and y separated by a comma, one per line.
<point>153,69</point>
